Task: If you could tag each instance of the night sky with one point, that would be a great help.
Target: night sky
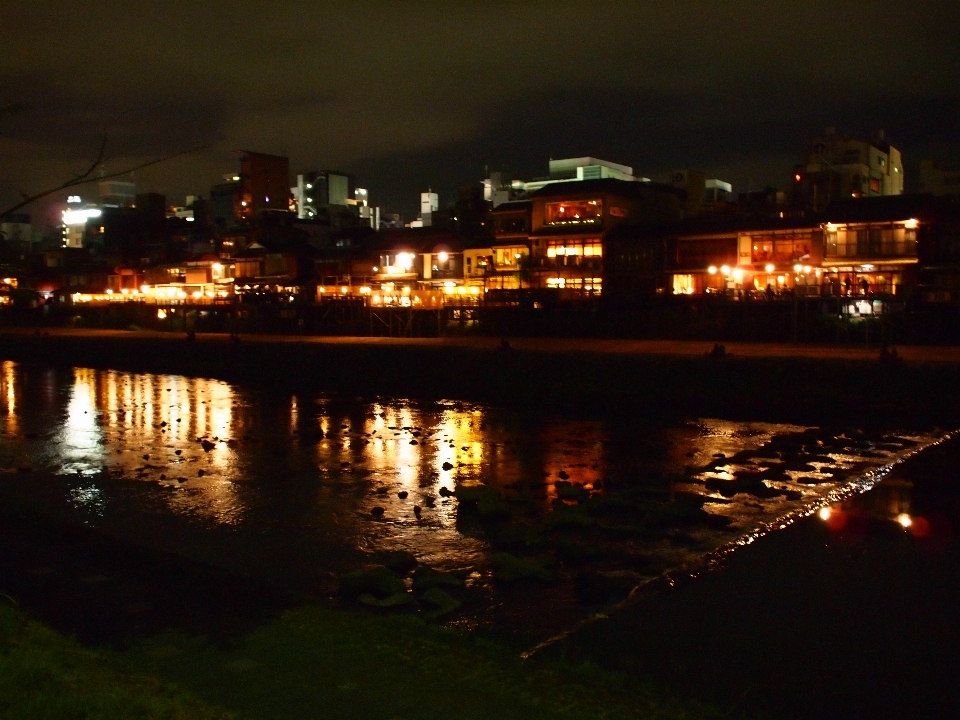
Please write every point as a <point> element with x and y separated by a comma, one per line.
<point>410,95</point>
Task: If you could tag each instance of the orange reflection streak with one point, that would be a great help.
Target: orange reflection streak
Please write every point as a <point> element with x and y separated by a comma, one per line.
<point>97,426</point>
<point>10,395</point>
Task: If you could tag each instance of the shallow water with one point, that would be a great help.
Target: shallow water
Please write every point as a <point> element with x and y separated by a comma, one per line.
<point>285,487</point>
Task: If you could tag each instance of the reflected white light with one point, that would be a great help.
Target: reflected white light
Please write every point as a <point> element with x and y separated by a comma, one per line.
<point>825,513</point>
<point>81,433</point>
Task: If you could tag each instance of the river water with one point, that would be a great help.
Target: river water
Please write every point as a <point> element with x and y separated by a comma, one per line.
<point>297,490</point>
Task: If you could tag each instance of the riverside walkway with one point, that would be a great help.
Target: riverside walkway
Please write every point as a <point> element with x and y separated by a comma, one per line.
<point>922,353</point>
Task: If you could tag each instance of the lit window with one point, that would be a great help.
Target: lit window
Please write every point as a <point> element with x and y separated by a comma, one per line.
<point>573,213</point>
<point>683,284</point>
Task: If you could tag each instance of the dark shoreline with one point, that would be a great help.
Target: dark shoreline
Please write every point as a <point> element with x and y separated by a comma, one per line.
<point>811,390</point>
<point>855,622</point>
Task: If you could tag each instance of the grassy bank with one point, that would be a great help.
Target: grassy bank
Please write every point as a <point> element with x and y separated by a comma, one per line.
<point>45,675</point>
<point>311,663</point>
<point>177,638</point>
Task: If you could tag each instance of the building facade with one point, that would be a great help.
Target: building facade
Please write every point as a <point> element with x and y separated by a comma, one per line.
<point>570,221</point>
<point>835,168</point>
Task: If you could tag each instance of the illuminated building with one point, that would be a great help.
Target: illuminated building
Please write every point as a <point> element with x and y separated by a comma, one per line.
<point>429,204</point>
<point>510,248</point>
<point>570,220</point>
<point>75,224</point>
<point>858,248</point>
<point>318,189</point>
<point>369,215</point>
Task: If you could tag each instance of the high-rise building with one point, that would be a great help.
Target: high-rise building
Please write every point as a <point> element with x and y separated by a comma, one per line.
<point>836,167</point>
<point>369,215</point>
<point>264,184</point>
<point>318,189</point>
<point>114,193</point>
<point>429,204</point>
<point>75,219</point>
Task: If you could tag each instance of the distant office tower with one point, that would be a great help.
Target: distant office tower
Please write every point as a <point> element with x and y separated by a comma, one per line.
<point>369,215</point>
<point>429,204</point>
<point>114,193</point>
<point>264,184</point>
<point>318,189</point>
<point>836,167</point>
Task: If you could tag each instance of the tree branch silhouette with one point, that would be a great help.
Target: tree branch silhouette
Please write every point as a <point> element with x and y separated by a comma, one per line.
<point>87,176</point>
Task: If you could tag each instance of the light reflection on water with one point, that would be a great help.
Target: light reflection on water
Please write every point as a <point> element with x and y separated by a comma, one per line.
<point>284,486</point>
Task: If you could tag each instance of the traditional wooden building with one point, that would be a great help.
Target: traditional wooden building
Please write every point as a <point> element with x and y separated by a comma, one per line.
<point>570,221</point>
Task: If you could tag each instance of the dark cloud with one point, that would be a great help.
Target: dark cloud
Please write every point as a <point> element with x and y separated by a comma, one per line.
<point>410,95</point>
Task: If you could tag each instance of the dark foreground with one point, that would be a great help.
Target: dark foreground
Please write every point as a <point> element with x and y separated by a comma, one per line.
<point>185,640</point>
<point>856,617</point>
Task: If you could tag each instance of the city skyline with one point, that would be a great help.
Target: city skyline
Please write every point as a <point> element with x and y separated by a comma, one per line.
<point>407,98</point>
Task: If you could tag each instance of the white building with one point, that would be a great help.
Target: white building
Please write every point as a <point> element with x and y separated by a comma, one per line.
<point>429,204</point>
<point>75,224</point>
<point>497,191</point>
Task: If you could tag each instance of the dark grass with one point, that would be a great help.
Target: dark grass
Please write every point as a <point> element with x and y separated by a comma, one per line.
<point>45,676</point>
<point>175,638</point>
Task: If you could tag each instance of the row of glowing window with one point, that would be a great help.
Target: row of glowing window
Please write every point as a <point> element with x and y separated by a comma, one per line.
<point>585,283</point>
<point>591,250</point>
